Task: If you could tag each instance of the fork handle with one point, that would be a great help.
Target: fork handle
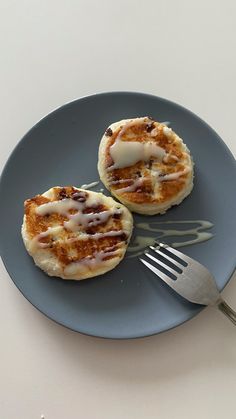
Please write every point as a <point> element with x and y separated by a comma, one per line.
<point>227,311</point>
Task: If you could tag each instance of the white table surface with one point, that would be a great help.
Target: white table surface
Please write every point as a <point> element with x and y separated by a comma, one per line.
<point>53,51</point>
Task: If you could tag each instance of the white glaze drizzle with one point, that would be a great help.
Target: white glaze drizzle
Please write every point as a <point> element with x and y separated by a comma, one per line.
<point>129,124</point>
<point>139,181</point>
<point>125,156</point>
<point>170,155</point>
<point>35,242</point>
<point>97,236</point>
<point>53,231</point>
<point>75,221</point>
<point>90,262</point>
<point>90,185</point>
<point>140,243</point>
<point>63,206</point>
<point>168,132</point>
<point>131,188</point>
<point>127,153</point>
<point>173,176</point>
<point>167,123</point>
<point>115,182</point>
<point>88,220</point>
<point>154,132</point>
<point>59,207</point>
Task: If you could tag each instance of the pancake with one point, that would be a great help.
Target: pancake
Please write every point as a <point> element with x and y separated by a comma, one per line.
<point>74,233</point>
<point>145,165</point>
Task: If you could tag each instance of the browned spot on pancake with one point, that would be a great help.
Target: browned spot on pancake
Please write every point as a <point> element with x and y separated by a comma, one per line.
<point>169,189</point>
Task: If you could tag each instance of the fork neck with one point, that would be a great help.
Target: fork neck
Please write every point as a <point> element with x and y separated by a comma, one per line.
<point>226,310</point>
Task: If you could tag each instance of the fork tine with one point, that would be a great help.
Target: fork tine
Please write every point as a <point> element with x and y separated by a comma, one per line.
<point>156,271</point>
<point>168,269</point>
<point>170,249</point>
<point>164,255</point>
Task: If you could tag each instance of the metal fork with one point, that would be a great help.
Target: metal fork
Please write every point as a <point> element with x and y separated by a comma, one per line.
<point>187,277</point>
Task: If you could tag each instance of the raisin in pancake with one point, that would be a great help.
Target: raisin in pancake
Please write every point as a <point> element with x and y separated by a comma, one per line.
<point>74,233</point>
<point>145,165</point>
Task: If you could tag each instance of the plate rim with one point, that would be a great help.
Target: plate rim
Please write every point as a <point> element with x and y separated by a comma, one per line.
<point>60,108</point>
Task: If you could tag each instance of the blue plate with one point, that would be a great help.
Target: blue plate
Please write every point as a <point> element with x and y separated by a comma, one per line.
<point>61,149</point>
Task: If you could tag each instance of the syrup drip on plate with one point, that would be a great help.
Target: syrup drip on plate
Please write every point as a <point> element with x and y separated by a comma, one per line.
<point>140,243</point>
